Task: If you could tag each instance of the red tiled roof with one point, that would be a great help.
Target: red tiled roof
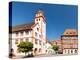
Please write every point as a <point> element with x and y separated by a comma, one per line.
<point>22,27</point>
<point>70,32</point>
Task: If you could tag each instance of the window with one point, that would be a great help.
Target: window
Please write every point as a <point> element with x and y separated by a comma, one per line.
<point>67,33</point>
<point>70,33</point>
<point>35,50</point>
<point>39,36</point>
<point>71,51</point>
<point>37,29</point>
<point>65,51</point>
<point>40,42</point>
<point>43,44</point>
<point>16,33</point>
<point>39,19</point>
<point>16,41</point>
<point>36,34</point>
<point>21,40</point>
<point>39,49</point>
<point>27,39</point>
<point>36,19</point>
<point>74,32</point>
<point>36,41</point>
<point>11,50</point>
<point>27,32</point>
<point>68,51</point>
<point>46,50</point>
<point>75,51</point>
<point>21,33</point>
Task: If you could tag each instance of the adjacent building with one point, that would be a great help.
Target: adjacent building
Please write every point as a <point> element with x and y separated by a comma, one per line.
<point>34,32</point>
<point>49,49</point>
<point>68,44</point>
<point>69,41</point>
<point>57,43</point>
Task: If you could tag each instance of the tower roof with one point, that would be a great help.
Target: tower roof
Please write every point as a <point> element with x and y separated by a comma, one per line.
<point>40,11</point>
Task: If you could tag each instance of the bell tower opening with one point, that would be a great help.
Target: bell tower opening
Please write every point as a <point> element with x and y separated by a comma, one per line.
<point>39,16</point>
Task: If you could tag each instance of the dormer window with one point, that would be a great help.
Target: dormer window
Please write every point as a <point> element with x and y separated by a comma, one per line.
<point>70,33</point>
<point>67,33</point>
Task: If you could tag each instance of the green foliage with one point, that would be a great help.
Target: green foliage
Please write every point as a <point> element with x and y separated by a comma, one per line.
<point>25,47</point>
<point>16,42</point>
<point>55,47</point>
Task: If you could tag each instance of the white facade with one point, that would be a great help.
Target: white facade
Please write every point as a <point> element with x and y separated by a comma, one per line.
<point>37,35</point>
<point>49,49</point>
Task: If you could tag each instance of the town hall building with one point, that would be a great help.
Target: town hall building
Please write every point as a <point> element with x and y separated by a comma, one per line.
<point>34,32</point>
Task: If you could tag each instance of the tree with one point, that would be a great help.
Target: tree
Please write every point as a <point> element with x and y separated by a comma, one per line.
<point>25,47</point>
<point>55,48</point>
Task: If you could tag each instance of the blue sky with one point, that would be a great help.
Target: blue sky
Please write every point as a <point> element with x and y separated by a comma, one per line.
<point>58,17</point>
